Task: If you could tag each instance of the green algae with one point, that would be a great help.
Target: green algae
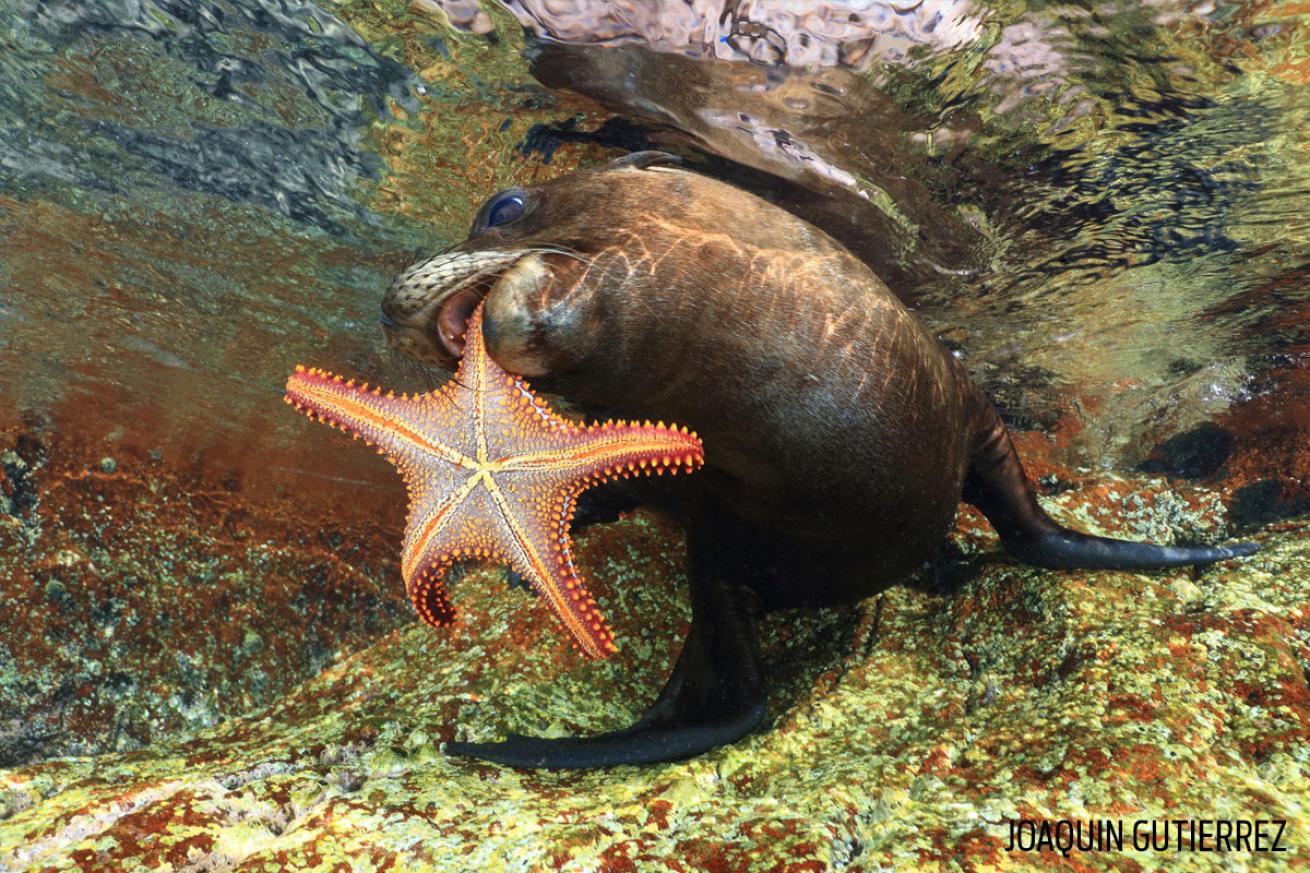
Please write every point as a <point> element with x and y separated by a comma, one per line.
<point>903,733</point>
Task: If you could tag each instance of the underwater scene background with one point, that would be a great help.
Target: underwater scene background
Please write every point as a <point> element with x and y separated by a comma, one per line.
<point>207,660</point>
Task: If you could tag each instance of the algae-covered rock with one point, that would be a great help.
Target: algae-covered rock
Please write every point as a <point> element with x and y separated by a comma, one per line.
<point>903,733</point>
<point>139,602</point>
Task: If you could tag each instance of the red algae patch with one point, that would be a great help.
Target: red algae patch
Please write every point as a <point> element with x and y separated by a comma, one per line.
<point>139,600</point>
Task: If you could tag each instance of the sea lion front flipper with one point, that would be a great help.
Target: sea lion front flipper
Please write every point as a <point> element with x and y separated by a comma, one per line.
<point>714,696</point>
<point>604,505</point>
<point>997,485</point>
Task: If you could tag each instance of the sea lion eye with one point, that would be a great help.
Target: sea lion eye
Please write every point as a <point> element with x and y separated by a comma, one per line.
<point>505,207</point>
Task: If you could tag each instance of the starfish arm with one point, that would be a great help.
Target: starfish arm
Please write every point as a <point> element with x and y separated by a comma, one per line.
<point>460,522</point>
<point>478,521</point>
<point>436,523</point>
<point>517,430</point>
<point>429,596</point>
<point>538,546</point>
<point>400,426</point>
<point>613,449</point>
<point>537,502</point>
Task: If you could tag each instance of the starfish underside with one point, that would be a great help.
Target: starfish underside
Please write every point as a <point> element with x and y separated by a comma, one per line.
<point>493,474</point>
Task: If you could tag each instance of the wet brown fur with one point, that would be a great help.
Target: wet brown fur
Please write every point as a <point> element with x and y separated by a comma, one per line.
<point>838,432</point>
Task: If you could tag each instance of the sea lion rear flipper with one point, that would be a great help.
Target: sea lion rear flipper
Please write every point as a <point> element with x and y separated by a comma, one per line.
<point>714,696</point>
<point>997,485</point>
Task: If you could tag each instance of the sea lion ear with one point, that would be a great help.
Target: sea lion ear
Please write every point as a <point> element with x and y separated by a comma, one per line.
<point>642,160</point>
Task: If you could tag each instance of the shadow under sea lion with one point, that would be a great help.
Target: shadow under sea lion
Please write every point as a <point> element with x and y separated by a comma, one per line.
<point>839,435</point>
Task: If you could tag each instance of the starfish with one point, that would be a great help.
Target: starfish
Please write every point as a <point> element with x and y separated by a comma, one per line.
<point>493,474</point>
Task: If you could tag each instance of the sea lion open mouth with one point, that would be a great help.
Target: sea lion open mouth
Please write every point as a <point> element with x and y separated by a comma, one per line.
<point>453,316</point>
<point>427,308</point>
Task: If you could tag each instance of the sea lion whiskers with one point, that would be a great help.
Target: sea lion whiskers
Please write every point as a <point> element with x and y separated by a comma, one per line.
<point>426,306</point>
<point>558,250</point>
<point>419,371</point>
<point>455,270</point>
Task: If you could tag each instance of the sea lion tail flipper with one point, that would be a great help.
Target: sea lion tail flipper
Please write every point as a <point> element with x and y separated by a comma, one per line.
<point>715,696</point>
<point>997,485</point>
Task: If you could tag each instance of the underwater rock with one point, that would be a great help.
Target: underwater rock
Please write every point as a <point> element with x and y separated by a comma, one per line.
<point>153,599</point>
<point>1265,501</point>
<point>903,732</point>
<point>128,594</point>
<point>1193,454</point>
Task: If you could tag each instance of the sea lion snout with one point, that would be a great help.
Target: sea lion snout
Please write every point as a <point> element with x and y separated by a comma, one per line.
<point>533,316</point>
<point>562,228</point>
<point>427,307</point>
<point>512,315</point>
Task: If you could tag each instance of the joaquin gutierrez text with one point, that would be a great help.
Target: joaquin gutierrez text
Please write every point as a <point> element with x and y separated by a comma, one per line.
<point>1068,835</point>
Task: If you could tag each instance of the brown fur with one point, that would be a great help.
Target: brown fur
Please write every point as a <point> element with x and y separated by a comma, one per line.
<point>835,426</point>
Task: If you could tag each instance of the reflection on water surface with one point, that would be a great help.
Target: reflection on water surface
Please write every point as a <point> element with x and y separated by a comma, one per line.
<point>1075,198</point>
<point>1072,196</point>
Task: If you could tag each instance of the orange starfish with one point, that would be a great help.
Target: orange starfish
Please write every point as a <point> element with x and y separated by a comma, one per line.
<point>493,473</point>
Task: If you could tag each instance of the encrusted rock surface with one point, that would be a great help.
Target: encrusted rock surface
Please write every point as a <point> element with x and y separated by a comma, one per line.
<point>138,601</point>
<point>902,734</point>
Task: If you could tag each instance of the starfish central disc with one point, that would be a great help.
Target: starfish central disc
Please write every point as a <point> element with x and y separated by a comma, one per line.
<point>493,474</point>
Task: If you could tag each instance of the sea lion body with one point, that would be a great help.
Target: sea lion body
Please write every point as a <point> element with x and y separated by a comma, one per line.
<point>839,435</point>
<point>830,416</point>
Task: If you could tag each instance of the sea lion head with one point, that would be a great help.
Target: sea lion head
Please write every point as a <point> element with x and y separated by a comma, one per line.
<point>545,259</point>
<point>527,253</point>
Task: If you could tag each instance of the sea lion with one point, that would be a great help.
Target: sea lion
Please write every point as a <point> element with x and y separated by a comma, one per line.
<point>839,435</point>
